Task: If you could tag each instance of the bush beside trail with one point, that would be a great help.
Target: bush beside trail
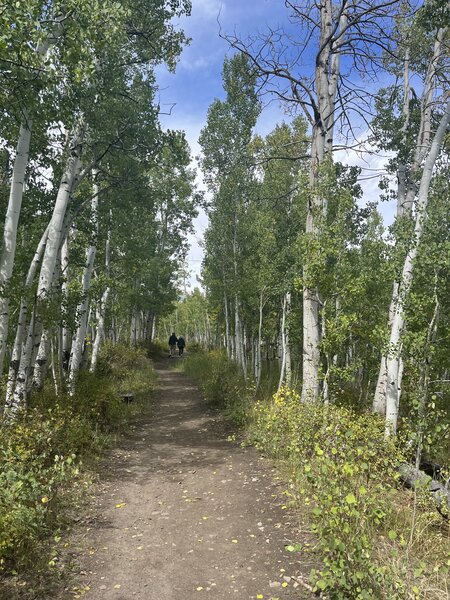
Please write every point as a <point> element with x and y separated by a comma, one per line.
<point>46,459</point>
<point>374,539</point>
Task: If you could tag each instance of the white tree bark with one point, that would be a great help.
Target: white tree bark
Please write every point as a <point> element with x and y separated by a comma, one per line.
<point>65,333</point>
<point>71,171</point>
<point>68,179</point>
<point>326,79</point>
<point>258,359</point>
<point>238,334</point>
<point>21,326</point>
<point>287,344</point>
<point>282,344</point>
<point>40,366</point>
<point>82,310</point>
<point>286,366</point>
<point>227,328</point>
<point>406,190</point>
<point>393,363</point>
<point>424,135</point>
<point>10,228</point>
<point>15,201</point>
<point>100,333</point>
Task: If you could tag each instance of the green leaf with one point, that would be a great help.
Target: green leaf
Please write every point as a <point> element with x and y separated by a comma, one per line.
<point>321,584</point>
<point>350,499</point>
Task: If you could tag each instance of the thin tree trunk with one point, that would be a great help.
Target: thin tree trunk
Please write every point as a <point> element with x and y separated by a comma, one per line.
<point>66,337</point>
<point>21,326</point>
<point>100,334</point>
<point>40,366</point>
<point>393,363</point>
<point>259,342</point>
<point>282,344</point>
<point>54,366</point>
<point>406,190</point>
<point>227,328</point>
<point>82,310</point>
<point>287,345</point>
<point>10,228</point>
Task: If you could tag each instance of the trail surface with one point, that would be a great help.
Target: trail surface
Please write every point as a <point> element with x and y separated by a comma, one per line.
<point>182,513</point>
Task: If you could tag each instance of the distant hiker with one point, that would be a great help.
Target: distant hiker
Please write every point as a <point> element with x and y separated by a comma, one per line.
<point>172,344</point>
<point>181,345</point>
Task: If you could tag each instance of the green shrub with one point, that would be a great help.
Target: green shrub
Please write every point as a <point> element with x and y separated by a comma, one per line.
<point>37,473</point>
<point>345,470</point>
<point>221,383</point>
<point>42,451</point>
<point>373,540</point>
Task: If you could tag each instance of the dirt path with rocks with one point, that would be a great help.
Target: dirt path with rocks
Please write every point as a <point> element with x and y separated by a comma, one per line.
<point>182,513</point>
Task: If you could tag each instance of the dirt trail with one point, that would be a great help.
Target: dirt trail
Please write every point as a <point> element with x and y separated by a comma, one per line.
<point>183,513</point>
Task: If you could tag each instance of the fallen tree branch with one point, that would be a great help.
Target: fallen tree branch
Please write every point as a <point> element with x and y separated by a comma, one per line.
<point>415,479</point>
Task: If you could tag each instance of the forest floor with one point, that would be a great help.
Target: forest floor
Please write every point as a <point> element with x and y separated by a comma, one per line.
<point>182,511</point>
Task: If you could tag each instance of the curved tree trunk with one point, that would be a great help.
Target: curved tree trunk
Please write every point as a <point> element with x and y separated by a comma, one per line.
<point>393,361</point>
<point>15,201</point>
<point>55,227</point>
<point>407,189</point>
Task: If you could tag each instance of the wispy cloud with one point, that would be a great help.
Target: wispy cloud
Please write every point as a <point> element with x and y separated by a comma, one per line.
<point>208,8</point>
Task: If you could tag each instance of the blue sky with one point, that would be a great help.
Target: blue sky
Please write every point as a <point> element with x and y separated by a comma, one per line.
<point>197,82</point>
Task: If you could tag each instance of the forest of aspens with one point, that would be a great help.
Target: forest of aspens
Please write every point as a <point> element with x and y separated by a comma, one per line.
<point>317,328</point>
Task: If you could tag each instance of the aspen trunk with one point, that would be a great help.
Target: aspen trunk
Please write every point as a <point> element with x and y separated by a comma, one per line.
<point>326,80</point>
<point>82,310</point>
<point>55,226</point>
<point>54,367</point>
<point>393,362</point>
<point>10,228</point>
<point>238,335</point>
<point>282,344</point>
<point>65,331</point>
<point>40,366</point>
<point>100,333</point>
<point>287,345</point>
<point>258,365</point>
<point>227,328</point>
<point>15,201</point>
<point>406,190</point>
<point>22,323</point>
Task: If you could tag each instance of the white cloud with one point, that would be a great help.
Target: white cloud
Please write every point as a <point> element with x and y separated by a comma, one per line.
<point>209,9</point>
<point>373,167</point>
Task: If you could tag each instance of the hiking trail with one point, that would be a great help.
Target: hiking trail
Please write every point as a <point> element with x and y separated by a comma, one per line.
<point>183,512</point>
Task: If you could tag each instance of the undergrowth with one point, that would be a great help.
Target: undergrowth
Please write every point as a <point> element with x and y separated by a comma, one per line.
<point>46,456</point>
<point>374,539</point>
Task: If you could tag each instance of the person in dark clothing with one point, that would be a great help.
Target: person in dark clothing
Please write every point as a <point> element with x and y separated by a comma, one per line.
<point>181,344</point>
<point>172,345</point>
